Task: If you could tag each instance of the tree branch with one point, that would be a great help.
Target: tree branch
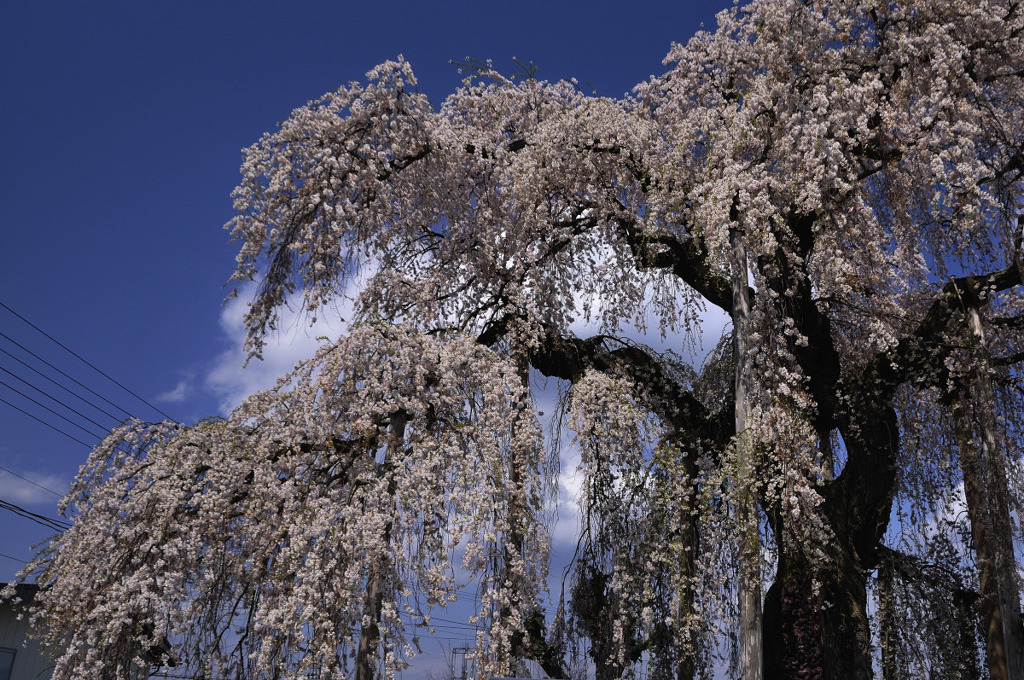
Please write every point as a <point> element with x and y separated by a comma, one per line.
<point>685,259</point>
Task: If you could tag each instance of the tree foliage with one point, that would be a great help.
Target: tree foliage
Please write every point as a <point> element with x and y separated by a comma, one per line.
<point>263,543</point>
<point>868,157</point>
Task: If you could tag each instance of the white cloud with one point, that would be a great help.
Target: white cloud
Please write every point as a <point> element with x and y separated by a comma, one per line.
<point>232,380</point>
<point>566,530</point>
<point>19,491</point>
<point>179,394</point>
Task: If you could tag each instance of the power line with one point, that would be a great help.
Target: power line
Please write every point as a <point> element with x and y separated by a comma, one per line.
<point>77,356</point>
<point>90,390</point>
<point>53,398</point>
<point>44,488</point>
<point>16,559</point>
<point>48,522</point>
<point>44,406</point>
<point>54,382</point>
<point>52,427</point>
<point>458,623</point>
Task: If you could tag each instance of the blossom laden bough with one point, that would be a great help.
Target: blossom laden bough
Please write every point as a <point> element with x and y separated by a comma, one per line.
<point>254,543</point>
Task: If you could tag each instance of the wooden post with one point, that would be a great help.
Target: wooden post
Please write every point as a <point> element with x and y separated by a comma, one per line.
<point>982,463</point>
<point>751,652</point>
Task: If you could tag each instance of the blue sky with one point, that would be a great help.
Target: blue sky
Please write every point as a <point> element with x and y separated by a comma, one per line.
<point>121,130</point>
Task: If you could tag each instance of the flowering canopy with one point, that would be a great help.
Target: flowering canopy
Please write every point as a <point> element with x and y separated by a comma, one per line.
<point>258,543</point>
<point>866,155</point>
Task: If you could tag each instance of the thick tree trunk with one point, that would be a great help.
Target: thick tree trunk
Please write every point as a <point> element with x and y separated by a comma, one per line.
<point>816,621</point>
<point>816,624</point>
<point>369,637</point>
<point>686,636</point>
<point>751,652</point>
<point>888,621</point>
<point>987,494</point>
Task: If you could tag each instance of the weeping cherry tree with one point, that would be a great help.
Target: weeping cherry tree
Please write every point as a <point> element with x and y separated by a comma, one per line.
<point>841,178</point>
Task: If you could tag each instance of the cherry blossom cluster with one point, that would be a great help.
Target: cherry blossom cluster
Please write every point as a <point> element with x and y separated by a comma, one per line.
<point>256,545</point>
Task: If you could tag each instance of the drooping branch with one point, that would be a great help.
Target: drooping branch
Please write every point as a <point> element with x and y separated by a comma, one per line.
<point>918,356</point>
<point>685,259</point>
<point>747,516</point>
<point>945,617</point>
<point>567,357</point>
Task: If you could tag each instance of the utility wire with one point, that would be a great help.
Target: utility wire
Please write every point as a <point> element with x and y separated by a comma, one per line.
<point>16,559</point>
<point>50,396</point>
<point>54,399</point>
<point>54,382</point>
<point>52,427</point>
<point>91,391</point>
<point>44,488</point>
<point>77,356</point>
<point>458,623</point>
<point>44,406</point>
<point>48,522</point>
